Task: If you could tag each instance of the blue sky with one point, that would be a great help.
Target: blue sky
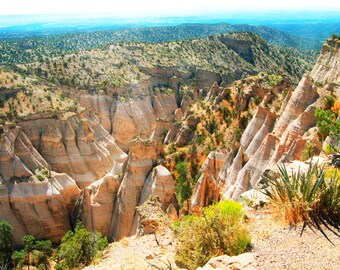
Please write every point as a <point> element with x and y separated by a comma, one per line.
<point>133,8</point>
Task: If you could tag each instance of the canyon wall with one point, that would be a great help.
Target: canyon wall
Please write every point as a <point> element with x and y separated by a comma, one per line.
<point>54,171</point>
<point>270,139</point>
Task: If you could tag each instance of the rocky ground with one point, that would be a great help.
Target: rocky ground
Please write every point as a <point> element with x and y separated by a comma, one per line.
<point>146,252</point>
<point>275,246</point>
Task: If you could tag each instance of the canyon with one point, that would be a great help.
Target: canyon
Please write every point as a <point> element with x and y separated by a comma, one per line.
<point>109,155</point>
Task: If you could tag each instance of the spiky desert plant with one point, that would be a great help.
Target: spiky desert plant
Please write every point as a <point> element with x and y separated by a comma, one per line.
<point>330,199</point>
<point>298,195</point>
<point>309,196</point>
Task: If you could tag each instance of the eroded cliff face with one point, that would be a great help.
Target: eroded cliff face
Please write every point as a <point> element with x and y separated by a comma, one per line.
<point>131,118</point>
<point>34,200</point>
<point>73,166</point>
<point>207,189</point>
<point>269,139</point>
<point>39,201</point>
<point>78,146</point>
<point>281,137</point>
<point>97,182</point>
<point>98,203</point>
<point>143,156</point>
<point>326,69</point>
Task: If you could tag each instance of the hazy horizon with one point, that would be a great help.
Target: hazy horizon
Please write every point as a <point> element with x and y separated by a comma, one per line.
<point>14,26</point>
<point>138,9</point>
<point>255,17</point>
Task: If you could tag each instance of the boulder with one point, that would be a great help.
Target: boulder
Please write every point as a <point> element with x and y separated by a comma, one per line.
<point>245,261</point>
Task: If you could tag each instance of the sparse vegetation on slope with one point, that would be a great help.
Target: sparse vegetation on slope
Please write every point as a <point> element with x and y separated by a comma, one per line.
<point>30,49</point>
<point>43,87</point>
<point>221,122</point>
<point>23,96</point>
<point>123,63</point>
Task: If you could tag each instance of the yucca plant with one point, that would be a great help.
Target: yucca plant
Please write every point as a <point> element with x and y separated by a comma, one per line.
<point>310,197</point>
<point>330,199</point>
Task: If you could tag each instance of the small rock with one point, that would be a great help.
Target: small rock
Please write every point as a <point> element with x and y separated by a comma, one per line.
<point>149,256</point>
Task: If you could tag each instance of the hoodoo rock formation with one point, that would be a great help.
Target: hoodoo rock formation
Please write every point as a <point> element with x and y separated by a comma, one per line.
<point>33,199</point>
<point>208,181</point>
<point>270,139</point>
<point>143,156</point>
<point>79,146</point>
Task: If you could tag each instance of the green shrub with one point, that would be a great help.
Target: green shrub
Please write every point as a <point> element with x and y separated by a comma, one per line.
<point>2,100</point>
<point>62,96</point>
<point>171,148</point>
<point>6,242</point>
<point>220,230</point>
<point>212,126</point>
<point>273,80</point>
<point>183,183</point>
<point>329,102</point>
<point>201,138</point>
<point>308,152</point>
<point>307,197</point>
<point>330,198</point>
<point>79,247</point>
<point>327,122</point>
<point>34,252</point>
<point>48,97</point>
<point>40,177</point>
<point>331,149</point>
<point>335,36</point>
<point>18,258</point>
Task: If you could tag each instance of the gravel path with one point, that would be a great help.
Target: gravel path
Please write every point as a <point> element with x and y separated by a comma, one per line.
<point>278,247</point>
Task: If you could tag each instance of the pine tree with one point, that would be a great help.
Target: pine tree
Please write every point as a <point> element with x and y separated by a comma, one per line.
<point>183,183</point>
<point>6,242</point>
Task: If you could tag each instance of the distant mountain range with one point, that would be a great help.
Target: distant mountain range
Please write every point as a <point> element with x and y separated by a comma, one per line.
<point>30,49</point>
<point>317,25</point>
